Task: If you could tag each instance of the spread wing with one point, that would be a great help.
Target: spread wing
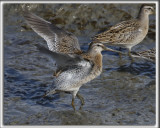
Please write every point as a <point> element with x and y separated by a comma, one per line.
<point>61,59</point>
<point>119,33</point>
<point>57,39</point>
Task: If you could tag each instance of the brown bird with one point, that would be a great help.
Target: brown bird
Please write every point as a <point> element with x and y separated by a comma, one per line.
<point>127,33</point>
<point>74,67</point>
<point>147,54</point>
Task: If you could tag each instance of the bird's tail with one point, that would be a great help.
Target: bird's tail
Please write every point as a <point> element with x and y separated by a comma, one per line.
<point>49,93</point>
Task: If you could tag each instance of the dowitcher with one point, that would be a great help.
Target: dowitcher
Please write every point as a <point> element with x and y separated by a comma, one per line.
<point>74,67</point>
<point>127,33</point>
<point>147,54</point>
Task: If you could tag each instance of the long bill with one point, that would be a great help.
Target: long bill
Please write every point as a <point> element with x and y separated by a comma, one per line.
<point>109,49</point>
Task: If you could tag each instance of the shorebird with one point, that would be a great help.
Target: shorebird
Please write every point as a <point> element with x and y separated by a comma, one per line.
<point>147,54</point>
<point>74,67</point>
<point>127,33</point>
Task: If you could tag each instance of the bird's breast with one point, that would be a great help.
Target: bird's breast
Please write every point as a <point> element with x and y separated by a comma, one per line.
<point>98,61</point>
<point>97,66</point>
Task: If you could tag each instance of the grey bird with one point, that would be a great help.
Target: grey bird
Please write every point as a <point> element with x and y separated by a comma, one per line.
<point>127,33</point>
<point>74,67</point>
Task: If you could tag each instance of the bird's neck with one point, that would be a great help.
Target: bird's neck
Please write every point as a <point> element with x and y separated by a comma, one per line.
<point>98,61</point>
<point>95,57</point>
<point>143,18</point>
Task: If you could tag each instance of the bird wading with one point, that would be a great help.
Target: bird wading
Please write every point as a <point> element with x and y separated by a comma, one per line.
<point>127,33</point>
<point>74,67</point>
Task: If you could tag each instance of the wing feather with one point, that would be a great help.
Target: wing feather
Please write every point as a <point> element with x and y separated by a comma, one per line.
<point>61,59</point>
<point>119,33</point>
<point>57,39</point>
<point>148,54</point>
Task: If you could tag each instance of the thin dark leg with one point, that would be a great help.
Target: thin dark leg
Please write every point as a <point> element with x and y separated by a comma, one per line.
<point>81,99</point>
<point>129,54</point>
<point>57,72</point>
<point>120,55</point>
<point>73,104</point>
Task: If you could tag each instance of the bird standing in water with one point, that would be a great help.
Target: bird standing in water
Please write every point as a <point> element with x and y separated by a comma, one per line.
<point>74,67</point>
<point>127,33</point>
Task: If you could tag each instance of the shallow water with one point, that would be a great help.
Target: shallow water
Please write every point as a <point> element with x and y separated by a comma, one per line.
<point>123,94</point>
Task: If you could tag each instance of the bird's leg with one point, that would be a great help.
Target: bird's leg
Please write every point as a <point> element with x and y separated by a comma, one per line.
<point>73,104</point>
<point>81,99</point>
<point>74,93</point>
<point>56,73</point>
<point>129,54</point>
<point>120,55</point>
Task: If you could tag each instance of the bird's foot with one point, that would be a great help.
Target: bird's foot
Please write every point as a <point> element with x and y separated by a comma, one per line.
<point>82,103</point>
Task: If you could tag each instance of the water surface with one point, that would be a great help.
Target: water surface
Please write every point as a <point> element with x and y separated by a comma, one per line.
<point>123,94</point>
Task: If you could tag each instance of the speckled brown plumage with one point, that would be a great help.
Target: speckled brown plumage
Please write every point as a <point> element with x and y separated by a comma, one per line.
<point>127,33</point>
<point>147,54</point>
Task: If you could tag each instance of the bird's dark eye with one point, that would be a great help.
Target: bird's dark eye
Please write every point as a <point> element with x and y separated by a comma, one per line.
<point>150,9</point>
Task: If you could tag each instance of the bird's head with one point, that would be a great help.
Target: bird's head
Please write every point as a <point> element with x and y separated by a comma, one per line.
<point>97,47</point>
<point>147,9</point>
